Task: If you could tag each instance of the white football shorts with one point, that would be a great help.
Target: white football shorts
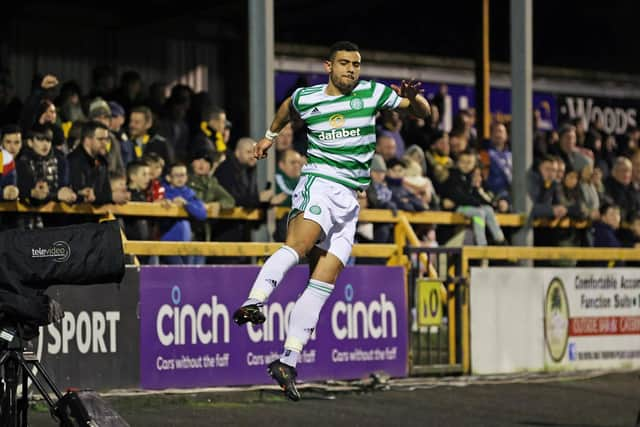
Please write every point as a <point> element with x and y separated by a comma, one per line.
<point>331,205</point>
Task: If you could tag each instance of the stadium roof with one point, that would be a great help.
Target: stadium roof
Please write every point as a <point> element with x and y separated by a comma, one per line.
<point>583,34</point>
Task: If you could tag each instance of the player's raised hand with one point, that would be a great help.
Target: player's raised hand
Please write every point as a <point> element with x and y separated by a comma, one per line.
<point>408,89</point>
<point>49,81</point>
<point>261,148</point>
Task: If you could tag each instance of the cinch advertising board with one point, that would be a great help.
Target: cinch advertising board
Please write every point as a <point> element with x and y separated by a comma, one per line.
<point>189,339</point>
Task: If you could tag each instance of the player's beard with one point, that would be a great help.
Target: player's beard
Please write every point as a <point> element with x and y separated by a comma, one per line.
<point>344,85</point>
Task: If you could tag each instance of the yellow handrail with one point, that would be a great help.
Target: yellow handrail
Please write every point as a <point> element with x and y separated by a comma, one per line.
<point>149,247</point>
<point>129,209</point>
<point>366,215</point>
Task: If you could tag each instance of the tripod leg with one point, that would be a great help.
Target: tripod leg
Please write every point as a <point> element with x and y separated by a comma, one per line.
<point>9,412</point>
<point>23,404</point>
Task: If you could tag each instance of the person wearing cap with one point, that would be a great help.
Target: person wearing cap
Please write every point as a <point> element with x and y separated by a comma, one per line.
<point>379,196</point>
<point>210,191</point>
<point>42,175</point>
<point>118,117</point>
<point>100,112</point>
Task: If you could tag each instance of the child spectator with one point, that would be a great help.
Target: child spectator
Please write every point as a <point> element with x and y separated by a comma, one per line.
<point>466,196</point>
<point>154,193</point>
<point>401,196</point>
<point>118,183</point>
<point>571,197</point>
<point>590,191</point>
<point>138,178</point>
<point>155,190</point>
<point>604,230</point>
<point>179,194</point>
<point>420,185</point>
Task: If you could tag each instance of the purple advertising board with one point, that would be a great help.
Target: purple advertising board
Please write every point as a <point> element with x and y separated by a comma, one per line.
<point>188,338</point>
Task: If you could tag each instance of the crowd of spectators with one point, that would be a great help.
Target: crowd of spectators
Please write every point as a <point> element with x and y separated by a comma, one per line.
<point>117,144</point>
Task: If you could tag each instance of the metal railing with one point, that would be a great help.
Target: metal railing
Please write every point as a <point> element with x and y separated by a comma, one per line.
<point>436,349</point>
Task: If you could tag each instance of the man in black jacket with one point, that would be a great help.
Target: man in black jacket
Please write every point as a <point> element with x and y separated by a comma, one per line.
<point>545,196</point>
<point>619,189</point>
<point>237,174</point>
<point>89,174</point>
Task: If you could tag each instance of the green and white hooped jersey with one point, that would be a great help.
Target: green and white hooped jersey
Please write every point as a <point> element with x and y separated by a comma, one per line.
<point>342,132</point>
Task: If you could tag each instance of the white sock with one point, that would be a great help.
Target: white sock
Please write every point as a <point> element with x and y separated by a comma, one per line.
<point>305,314</point>
<point>271,274</point>
<point>290,357</point>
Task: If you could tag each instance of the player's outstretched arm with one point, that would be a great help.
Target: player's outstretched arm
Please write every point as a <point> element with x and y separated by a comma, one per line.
<point>413,99</point>
<point>280,120</point>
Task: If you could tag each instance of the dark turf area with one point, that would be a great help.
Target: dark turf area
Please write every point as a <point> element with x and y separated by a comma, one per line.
<point>599,400</point>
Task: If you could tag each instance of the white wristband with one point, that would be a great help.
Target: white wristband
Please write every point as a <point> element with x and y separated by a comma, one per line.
<point>270,135</point>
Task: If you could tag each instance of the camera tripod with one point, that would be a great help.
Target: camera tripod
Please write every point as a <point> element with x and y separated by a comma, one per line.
<point>16,367</point>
